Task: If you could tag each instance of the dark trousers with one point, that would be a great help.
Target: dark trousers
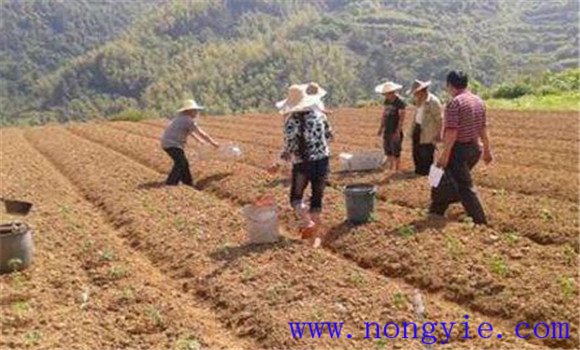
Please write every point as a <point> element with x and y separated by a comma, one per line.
<point>422,153</point>
<point>315,173</point>
<point>457,185</point>
<point>180,171</point>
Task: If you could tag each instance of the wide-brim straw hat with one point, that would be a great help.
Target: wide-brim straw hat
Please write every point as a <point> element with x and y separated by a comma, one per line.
<point>418,85</point>
<point>387,87</point>
<point>190,105</point>
<point>301,97</point>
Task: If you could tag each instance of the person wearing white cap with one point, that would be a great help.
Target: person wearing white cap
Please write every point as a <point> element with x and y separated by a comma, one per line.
<point>175,137</point>
<point>306,137</point>
<point>426,126</point>
<point>391,129</point>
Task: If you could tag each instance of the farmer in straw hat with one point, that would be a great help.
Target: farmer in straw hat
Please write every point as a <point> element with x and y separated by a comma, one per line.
<point>314,89</point>
<point>311,88</point>
<point>426,126</point>
<point>306,137</point>
<point>391,129</point>
<point>175,137</point>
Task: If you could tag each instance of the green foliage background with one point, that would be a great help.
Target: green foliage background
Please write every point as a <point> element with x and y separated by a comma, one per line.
<point>74,60</point>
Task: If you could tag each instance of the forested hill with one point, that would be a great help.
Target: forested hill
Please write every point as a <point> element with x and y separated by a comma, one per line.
<point>72,60</point>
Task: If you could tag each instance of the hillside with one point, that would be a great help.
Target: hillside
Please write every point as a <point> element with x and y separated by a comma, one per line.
<point>38,37</point>
<point>239,56</point>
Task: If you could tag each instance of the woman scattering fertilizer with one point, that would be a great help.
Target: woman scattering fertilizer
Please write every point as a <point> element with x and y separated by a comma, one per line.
<point>306,137</point>
<point>175,137</point>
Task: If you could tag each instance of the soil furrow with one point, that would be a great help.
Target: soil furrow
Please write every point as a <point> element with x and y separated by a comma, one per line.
<point>521,179</point>
<point>86,286</point>
<point>408,261</point>
<point>255,289</point>
<point>543,220</point>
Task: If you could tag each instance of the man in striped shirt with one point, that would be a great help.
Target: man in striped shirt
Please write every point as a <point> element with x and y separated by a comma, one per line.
<point>465,124</point>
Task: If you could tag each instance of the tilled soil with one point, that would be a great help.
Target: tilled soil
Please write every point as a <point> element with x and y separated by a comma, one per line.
<point>123,262</point>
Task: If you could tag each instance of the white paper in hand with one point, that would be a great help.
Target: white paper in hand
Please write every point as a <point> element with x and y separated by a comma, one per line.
<point>435,175</point>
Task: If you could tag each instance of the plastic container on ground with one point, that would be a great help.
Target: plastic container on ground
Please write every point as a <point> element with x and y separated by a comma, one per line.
<point>360,202</point>
<point>231,151</point>
<point>16,247</point>
<point>262,222</point>
<point>360,161</point>
<point>16,207</point>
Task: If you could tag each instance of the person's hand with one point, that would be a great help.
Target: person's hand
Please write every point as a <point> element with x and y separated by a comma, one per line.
<point>487,156</point>
<point>216,145</point>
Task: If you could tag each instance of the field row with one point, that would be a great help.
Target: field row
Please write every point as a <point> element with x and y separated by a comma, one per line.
<point>541,219</point>
<point>86,287</point>
<point>526,152</point>
<point>526,125</point>
<point>522,125</point>
<point>255,289</point>
<point>478,268</point>
<point>547,181</point>
<point>362,123</point>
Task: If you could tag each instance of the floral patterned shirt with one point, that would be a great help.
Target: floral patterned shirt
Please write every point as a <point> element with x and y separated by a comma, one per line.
<point>306,137</point>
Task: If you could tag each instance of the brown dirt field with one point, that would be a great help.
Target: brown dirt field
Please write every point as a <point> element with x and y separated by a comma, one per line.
<point>524,171</point>
<point>86,282</point>
<point>170,268</point>
<point>532,219</point>
<point>407,265</point>
<point>243,304</point>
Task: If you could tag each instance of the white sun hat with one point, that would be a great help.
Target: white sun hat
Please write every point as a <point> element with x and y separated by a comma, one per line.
<point>300,97</point>
<point>389,86</point>
<point>418,85</point>
<point>190,105</point>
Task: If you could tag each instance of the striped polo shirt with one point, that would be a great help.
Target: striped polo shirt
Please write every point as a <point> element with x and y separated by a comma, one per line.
<point>466,113</point>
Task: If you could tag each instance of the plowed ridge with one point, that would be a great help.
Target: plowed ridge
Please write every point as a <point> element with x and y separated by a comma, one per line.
<point>171,268</point>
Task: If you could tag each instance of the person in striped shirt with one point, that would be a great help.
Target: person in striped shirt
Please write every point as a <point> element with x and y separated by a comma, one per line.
<point>465,124</point>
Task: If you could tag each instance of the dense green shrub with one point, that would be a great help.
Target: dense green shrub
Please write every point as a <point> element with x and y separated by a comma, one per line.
<point>511,91</point>
<point>131,115</point>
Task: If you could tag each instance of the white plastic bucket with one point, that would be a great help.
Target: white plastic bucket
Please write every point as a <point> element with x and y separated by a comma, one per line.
<point>261,223</point>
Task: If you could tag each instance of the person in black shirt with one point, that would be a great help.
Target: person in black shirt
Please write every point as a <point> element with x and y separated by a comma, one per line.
<point>391,129</point>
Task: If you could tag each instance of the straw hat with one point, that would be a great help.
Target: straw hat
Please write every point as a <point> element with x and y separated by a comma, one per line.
<point>418,85</point>
<point>389,86</point>
<point>189,105</point>
<point>301,97</point>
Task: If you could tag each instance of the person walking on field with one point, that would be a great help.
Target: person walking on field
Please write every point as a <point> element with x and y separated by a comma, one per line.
<point>465,123</point>
<point>391,129</point>
<point>307,134</point>
<point>426,126</point>
<point>311,88</point>
<point>175,137</point>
